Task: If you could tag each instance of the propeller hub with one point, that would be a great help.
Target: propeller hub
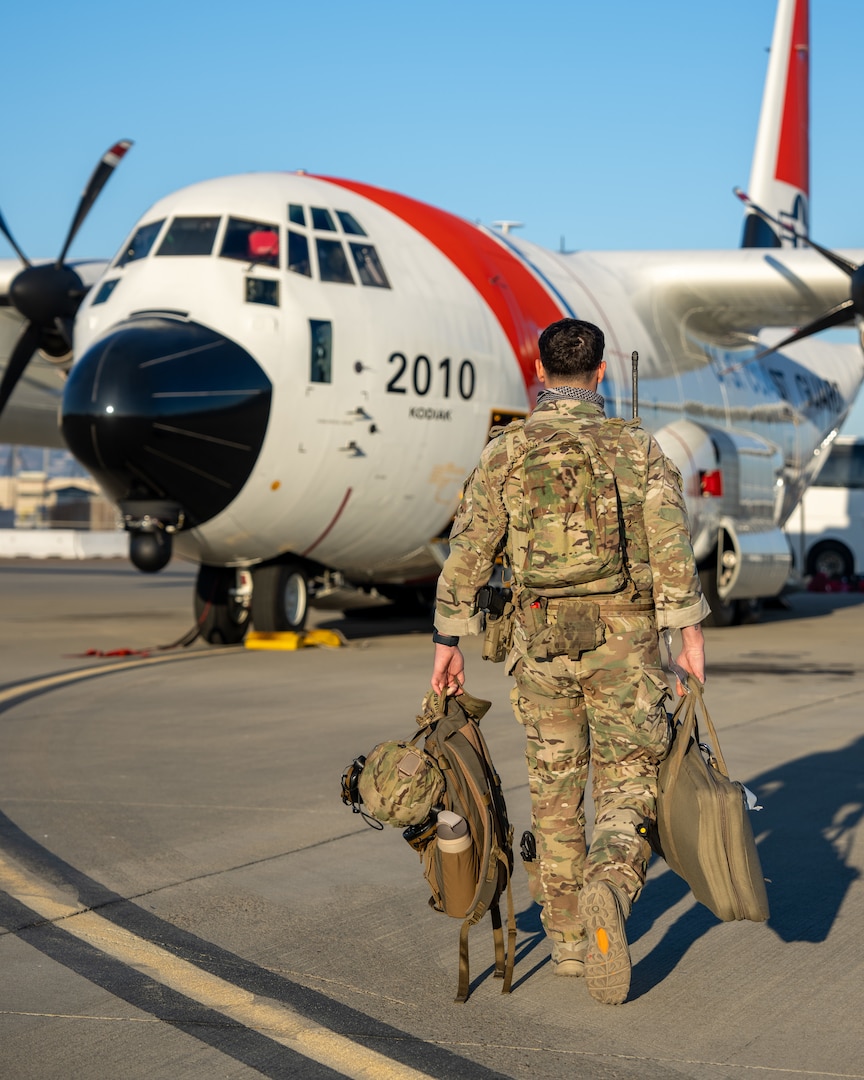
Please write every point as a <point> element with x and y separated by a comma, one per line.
<point>49,296</point>
<point>45,293</point>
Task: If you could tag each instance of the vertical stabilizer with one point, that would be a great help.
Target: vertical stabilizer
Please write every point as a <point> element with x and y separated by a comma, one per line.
<point>780,176</point>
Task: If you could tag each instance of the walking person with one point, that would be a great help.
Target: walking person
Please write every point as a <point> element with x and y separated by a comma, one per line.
<point>589,516</point>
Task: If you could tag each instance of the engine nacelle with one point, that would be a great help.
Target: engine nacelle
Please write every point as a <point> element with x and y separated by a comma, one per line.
<point>733,486</point>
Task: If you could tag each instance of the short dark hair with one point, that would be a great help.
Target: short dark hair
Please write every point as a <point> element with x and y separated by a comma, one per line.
<point>571,349</point>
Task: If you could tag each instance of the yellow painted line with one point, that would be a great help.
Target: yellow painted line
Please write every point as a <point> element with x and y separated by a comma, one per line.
<point>263,1015</point>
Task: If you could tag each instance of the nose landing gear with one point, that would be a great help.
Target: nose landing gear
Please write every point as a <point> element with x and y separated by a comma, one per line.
<point>222,603</point>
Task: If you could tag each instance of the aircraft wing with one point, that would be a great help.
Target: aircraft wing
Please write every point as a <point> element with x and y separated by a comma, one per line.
<point>688,300</point>
<point>8,269</point>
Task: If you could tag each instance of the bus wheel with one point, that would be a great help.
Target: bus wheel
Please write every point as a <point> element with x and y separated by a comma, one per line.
<point>830,558</point>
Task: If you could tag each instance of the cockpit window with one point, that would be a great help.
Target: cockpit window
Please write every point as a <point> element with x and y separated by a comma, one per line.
<point>251,242</point>
<point>349,223</point>
<point>322,220</point>
<point>332,262</point>
<point>140,244</point>
<point>105,290</point>
<point>296,214</point>
<point>298,254</point>
<point>189,236</point>
<point>369,266</point>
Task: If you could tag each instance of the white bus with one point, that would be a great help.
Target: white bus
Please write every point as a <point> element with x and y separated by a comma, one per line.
<point>826,531</point>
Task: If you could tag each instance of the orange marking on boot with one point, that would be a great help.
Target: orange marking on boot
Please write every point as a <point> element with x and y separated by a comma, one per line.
<point>603,941</point>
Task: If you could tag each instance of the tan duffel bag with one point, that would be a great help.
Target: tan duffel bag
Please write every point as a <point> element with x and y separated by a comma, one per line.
<point>703,822</point>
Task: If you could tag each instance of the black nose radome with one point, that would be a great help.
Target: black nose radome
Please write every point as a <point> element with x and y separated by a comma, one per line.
<point>161,408</point>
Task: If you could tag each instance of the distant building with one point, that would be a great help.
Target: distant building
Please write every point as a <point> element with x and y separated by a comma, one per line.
<point>34,500</point>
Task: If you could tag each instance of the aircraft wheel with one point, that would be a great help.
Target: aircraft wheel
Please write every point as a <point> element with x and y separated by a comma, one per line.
<point>221,619</point>
<point>280,596</point>
<point>830,558</point>
<point>723,612</point>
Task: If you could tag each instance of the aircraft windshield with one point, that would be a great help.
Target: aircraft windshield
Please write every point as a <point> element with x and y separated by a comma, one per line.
<point>298,254</point>
<point>332,262</point>
<point>251,242</point>
<point>189,236</point>
<point>140,244</point>
<point>369,265</point>
<point>322,220</point>
<point>334,255</point>
<point>349,223</point>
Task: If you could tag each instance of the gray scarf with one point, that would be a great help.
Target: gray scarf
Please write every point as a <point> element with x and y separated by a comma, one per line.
<point>577,392</point>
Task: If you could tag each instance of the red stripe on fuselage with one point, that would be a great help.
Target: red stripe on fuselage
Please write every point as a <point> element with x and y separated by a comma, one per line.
<point>793,151</point>
<point>519,302</point>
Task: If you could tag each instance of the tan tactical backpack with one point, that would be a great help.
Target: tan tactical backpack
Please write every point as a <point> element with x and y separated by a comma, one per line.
<point>469,868</point>
<point>566,535</point>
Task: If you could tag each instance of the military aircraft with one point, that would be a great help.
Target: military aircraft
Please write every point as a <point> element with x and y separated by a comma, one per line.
<point>286,377</point>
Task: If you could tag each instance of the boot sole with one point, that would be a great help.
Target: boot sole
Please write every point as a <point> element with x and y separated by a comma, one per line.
<point>607,965</point>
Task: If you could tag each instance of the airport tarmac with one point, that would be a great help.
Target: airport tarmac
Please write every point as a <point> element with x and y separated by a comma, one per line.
<point>183,893</point>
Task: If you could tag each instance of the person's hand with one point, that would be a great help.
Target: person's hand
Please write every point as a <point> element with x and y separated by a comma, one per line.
<point>692,655</point>
<point>448,671</point>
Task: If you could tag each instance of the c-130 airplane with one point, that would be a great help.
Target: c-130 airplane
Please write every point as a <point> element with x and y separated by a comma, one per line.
<point>286,378</point>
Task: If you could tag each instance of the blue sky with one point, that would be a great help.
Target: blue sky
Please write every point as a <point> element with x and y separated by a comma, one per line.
<point>619,125</point>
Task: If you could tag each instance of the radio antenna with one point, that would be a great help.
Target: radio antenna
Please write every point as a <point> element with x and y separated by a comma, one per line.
<point>634,361</point>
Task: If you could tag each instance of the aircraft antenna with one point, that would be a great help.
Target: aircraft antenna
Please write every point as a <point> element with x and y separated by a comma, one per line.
<point>506,227</point>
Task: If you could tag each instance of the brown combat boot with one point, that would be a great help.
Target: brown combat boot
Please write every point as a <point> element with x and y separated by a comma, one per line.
<point>568,958</point>
<point>607,963</point>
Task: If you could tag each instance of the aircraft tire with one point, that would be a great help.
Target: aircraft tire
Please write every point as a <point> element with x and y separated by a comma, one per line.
<point>280,596</point>
<point>723,612</point>
<point>220,619</point>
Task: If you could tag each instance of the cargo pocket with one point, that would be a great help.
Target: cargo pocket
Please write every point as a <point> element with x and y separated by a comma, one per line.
<point>654,729</point>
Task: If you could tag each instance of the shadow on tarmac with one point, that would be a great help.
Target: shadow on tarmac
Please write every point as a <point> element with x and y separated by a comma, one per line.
<point>232,1038</point>
<point>801,603</point>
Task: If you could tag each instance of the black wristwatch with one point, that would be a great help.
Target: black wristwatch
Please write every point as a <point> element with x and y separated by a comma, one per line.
<point>444,639</point>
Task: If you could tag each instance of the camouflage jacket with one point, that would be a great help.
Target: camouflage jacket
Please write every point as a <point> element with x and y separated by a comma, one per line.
<point>659,554</point>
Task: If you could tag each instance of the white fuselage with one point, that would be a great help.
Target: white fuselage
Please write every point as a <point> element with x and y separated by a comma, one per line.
<point>367,448</point>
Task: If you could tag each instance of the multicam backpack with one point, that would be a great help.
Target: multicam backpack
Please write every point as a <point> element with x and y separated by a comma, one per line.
<point>566,536</point>
<point>468,884</point>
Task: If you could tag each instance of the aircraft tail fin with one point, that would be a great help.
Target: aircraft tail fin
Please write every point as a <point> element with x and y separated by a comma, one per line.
<point>780,174</point>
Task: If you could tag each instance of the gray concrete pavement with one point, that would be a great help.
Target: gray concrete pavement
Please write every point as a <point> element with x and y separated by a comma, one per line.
<point>186,895</point>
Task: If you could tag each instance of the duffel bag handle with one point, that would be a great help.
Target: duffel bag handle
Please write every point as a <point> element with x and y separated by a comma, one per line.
<point>685,725</point>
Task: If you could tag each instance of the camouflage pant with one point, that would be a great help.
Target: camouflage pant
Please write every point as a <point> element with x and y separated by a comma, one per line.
<point>606,708</point>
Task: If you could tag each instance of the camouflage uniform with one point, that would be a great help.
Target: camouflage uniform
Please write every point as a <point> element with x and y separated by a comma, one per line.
<point>603,703</point>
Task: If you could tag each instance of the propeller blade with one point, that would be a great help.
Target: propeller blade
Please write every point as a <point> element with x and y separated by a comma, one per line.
<point>4,228</point>
<point>65,329</point>
<point>842,264</point>
<point>836,316</point>
<point>25,346</point>
<point>109,162</point>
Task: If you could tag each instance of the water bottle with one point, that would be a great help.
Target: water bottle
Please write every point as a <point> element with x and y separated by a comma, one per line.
<point>458,864</point>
